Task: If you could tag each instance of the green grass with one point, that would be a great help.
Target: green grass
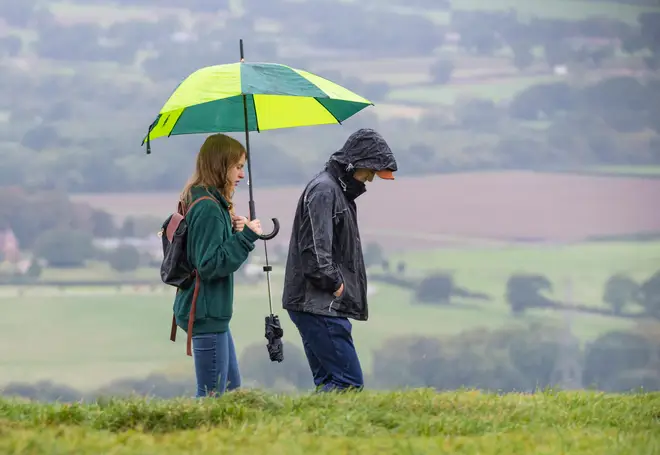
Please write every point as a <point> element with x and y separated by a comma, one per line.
<point>410,422</point>
<point>449,94</point>
<point>98,271</point>
<point>88,337</point>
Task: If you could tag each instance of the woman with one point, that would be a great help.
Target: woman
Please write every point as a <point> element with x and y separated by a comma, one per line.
<point>219,242</point>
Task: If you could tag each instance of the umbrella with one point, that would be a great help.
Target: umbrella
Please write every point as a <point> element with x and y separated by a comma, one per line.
<point>242,96</point>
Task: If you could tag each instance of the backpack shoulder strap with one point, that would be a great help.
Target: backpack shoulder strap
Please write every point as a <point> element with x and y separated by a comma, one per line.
<point>191,318</point>
<point>179,215</point>
<point>185,211</point>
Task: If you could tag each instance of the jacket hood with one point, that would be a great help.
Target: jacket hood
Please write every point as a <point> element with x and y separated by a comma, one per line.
<point>366,149</point>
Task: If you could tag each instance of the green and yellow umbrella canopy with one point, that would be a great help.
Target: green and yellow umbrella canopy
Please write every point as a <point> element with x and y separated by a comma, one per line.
<point>210,100</point>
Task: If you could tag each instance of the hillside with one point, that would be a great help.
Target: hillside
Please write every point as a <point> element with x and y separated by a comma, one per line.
<point>457,85</point>
<point>431,211</point>
<point>413,422</point>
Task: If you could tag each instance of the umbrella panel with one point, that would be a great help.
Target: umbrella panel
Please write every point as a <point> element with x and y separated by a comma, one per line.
<point>265,112</point>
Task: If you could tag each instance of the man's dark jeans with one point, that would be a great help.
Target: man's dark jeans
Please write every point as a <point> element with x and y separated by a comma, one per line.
<point>329,348</point>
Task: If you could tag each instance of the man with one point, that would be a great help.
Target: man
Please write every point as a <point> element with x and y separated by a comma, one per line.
<point>325,281</point>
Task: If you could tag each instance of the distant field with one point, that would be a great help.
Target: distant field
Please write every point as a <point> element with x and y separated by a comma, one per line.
<point>388,111</point>
<point>414,71</point>
<point>560,9</point>
<point>438,16</point>
<point>108,13</point>
<point>97,272</point>
<point>500,206</point>
<point>394,423</point>
<point>88,340</point>
<point>587,266</point>
<point>86,337</point>
<point>395,71</point>
<point>528,9</point>
<point>495,77</point>
<point>496,90</point>
<point>643,171</point>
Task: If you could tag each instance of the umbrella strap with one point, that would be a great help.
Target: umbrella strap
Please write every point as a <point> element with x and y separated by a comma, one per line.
<point>148,138</point>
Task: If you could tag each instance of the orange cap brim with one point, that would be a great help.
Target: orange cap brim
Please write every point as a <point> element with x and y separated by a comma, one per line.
<point>386,175</point>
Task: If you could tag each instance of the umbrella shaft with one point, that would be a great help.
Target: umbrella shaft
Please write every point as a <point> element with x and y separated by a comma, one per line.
<point>253,212</point>
<point>270,299</point>
<point>267,269</point>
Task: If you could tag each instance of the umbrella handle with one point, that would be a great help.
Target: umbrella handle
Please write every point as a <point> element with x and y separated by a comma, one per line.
<point>276,230</point>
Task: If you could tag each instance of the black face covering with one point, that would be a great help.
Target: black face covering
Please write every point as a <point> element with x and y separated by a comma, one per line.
<point>344,174</point>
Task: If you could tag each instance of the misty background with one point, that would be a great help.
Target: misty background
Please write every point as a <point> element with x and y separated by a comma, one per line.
<point>518,248</point>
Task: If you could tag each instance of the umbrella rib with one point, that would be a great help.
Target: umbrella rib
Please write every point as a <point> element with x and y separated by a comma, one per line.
<point>175,122</point>
<point>256,118</point>
<point>329,112</point>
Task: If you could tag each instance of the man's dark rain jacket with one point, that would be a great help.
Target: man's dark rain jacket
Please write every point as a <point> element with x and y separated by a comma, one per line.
<point>325,249</point>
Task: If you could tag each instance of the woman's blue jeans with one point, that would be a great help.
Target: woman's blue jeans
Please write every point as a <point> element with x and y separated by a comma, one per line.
<point>216,365</point>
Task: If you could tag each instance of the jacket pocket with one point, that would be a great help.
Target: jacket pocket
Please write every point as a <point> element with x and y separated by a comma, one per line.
<point>339,303</point>
<point>346,300</point>
<point>217,300</point>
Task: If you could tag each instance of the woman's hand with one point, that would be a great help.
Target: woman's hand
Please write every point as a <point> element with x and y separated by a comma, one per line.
<point>255,226</point>
<point>238,222</point>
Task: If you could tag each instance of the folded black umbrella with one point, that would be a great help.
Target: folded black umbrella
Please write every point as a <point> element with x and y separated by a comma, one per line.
<point>274,335</point>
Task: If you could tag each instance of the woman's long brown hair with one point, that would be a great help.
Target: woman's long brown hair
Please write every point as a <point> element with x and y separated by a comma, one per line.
<point>216,156</point>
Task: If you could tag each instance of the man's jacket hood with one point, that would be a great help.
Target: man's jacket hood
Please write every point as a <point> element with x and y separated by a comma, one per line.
<point>366,149</point>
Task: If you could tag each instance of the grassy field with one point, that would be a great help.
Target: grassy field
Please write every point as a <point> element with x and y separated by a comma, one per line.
<point>475,76</point>
<point>451,93</point>
<point>411,422</point>
<point>88,337</point>
<point>642,171</point>
<point>98,272</point>
<point>587,265</point>
<point>559,9</point>
<point>107,14</point>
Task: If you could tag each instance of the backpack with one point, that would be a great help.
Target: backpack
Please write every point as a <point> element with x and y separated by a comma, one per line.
<point>176,269</point>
